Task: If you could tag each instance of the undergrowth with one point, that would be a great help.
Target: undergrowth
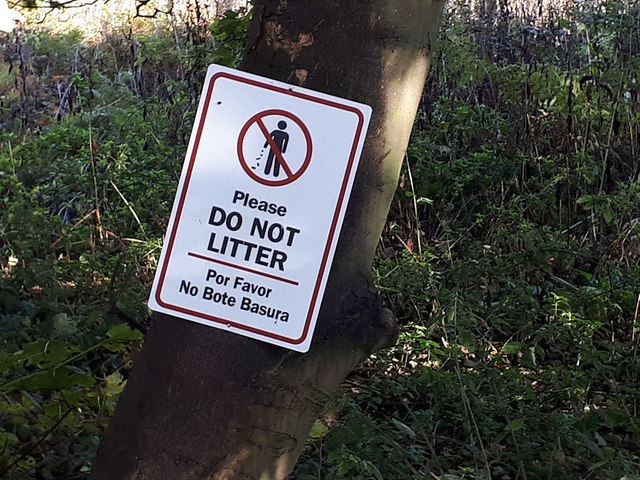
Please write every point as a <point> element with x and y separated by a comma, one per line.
<point>511,260</point>
<point>510,256</point>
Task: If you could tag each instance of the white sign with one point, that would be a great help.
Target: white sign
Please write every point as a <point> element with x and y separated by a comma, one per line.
<point>259,207</point>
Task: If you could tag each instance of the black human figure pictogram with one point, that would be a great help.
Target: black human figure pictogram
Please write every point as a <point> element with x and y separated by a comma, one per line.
<point>280,139</point>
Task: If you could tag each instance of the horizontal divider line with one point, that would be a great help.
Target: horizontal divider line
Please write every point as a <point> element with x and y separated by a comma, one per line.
<point>250,270</point>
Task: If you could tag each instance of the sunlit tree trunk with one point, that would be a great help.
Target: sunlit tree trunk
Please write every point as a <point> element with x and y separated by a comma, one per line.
<point>202,403</point>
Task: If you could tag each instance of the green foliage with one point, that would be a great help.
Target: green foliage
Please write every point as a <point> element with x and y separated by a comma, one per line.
<point>516,279</point>
<point>89,162</point>
<point>230,32</point>
<point>55,398</point>
<point>510,257</point>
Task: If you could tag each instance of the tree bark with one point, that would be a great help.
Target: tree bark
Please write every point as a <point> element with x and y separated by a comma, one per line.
<point>202,403</point>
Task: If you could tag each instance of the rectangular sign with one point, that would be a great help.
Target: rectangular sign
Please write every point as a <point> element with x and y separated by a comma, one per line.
<point>259,207</point>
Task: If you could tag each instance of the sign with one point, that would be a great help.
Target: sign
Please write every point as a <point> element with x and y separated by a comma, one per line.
<point>259,207</point>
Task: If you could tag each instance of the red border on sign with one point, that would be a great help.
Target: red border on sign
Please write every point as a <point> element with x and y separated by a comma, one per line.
<point>257,118</point>
<point>332,229</point>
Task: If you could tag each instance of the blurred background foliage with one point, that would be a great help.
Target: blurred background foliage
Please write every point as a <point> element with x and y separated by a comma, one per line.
<point>510,255</point>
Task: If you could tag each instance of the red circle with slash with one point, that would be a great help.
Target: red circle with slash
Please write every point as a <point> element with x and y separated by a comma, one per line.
<point>291,175</point>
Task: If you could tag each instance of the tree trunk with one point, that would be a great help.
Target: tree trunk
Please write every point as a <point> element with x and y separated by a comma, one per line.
<point>203,403</point>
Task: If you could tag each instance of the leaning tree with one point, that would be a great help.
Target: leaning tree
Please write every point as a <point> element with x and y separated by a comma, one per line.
<point>202,403</point>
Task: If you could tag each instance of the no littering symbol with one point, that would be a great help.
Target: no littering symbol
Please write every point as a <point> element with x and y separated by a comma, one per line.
<point>274,147</point>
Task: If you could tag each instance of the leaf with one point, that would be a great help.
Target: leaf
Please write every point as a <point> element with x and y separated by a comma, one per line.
<point>8,362</point>
<point>587,200</point>
<point>114,384</point>
<point>318,430</point>
<point>404,429</point>
<point>588,423</point>
<point>369,467</point>
<point>606,213</point>
<point>513,347</point>
<point>517,424</point>
<point>43,352</point>
<point>62,377</point>
<point>586,275</point>
<point>123,333</point>
<point>64,325</point>
<point>614,418</point>
<point>7,439</point>
<point>466,339</point>
<point>33,353</point>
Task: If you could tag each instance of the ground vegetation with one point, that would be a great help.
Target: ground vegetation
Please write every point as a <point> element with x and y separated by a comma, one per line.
<point>510,255</point>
